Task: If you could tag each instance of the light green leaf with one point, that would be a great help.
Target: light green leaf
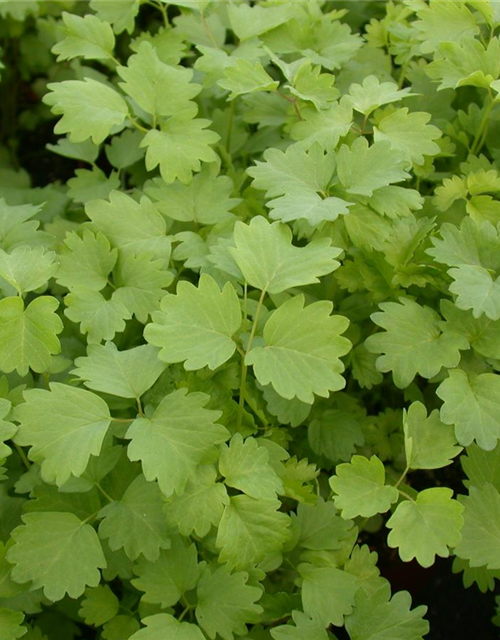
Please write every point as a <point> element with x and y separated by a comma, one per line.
<point>119,13</point>
<point>303,628</point>
<point>427,527</point>
<point>101,319</point>
<point>58,553</point>
<point>99,606</point>
<point>158,88</point>
<point>122,627</point>
<point>482,466</point>
<point>302,350</point>
<point>196,325</point>
<point>372,94</point>
<point>86,151</point>
<point>123,150</point>
<point>361,489</point>
<point>472,404</point>
<point>413,342</point>
<point>27,268</point>
<point>180,147</point>
<point>85,36</point>
<point>178,437</point>
<point>363,169</point>
<point>201,504</point>
<point>16,228</point>
<point>429,443</point>
<point>250,530</point>
<point>11,627</point>
<point>85,260</point>
<point>480,543</point>
<point>476,290</point>
<point>28,336</point>
<point>268,260</point>
<point>127,374</point>
<point>244,76</point>
<point>90,184</point>
<point>327,593</point>
<point>245,466</point>
<point>319,527</point>
<point>89,109</point>
<point>325,127</point>
<point>135,522</point>
<point>444,22</point>
<point>226,603</point>
<point>163,625</point>
<point>166,579</point>
<point>248,22</point>
<point>63,427</point>
<point>310,85</point>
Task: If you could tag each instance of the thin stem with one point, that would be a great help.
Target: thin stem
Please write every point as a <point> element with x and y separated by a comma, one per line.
<point>229,132</point>
<point>111,284</point>
<point>124,420</point>
<point>22,455</point>
<point>139,407</point>
<point>406,495</point>
<point>137,125</point>
<point>402,75</point>
<point>208,31</point>
<point>163,10</point>
<point>476,146</point>
<point>106,495</point>
<point>402,477</point>
<point>243,377</point>
<point>297,110</point>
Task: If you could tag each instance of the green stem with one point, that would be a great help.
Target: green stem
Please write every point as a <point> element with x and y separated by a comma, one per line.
<point>137,125</point>
<point>483,128</point>
<point>402,75</point>
<point>406,495</point>
<point>139,407</point>
<point>124,420</point>
<point>243,378</point>
<point>402,477</point>
<point>106,495</point>
<point>229,132</point>
<point>22,455</point>
<point>208,31</point>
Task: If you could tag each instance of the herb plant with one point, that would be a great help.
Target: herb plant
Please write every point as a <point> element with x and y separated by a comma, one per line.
<point>255,324</point>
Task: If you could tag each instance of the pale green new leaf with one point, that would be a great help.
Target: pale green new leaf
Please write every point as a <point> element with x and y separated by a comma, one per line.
<point>362,169</point>
<point>327,593</point>
<point>27,268</point>
<point>480,543</point>
<point>413,342</point>
<point>180,147</point>
<point>99,605</point>
<point>244,76</point>
<point>201,504</point>
<point>226,603</point>
<point>444,22</point>
<point>63,427</point>
<point>325,127</point>
<point>248,22</point>
<point>268,260</point>
<point>245,466</point>
<point>310,85</point>
<point>178,437</point>
<point>11,627</point>
<point>429,443</point>
<point>136,523</point>
<point>58,553</point>
<point>89,109</point>
<point>166,579</point>
<point>361,489</point>
<point>427,527</point>
<point>101,319</point>
<point>303,628</point>
<point>372,94</point>
<point>85,36</point>
<point>196,325</point>
<point>302,350</point>
<point>127,374</point>
<point>163,625</point>
<point>250,530</point>
<point>28,337</point>
<point>472,404</point>
<point>85,261</point>
<point>158,88</point>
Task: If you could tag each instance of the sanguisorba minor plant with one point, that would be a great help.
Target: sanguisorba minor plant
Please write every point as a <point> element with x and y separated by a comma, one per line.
<point>265,308</point>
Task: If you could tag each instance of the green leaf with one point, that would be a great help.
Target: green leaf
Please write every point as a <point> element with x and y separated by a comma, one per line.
<point>444,22</point>
<point>363,169</point>
<point>28,337</point>
<point>165,580</point>
<point>302,350</point>
<point>122,627</point>
<point>245,466</point>
<point>88,185</point>
<point>85,261</point>
<point>63,427</point>
<point>480,542</point>
<point>476,290</point>
<point>482,333</point>
<point>11,626</point>
<point>303,628</point>
<point>163,625</point>
<point>101,319</point>
<point>250,530</point>
<point>372,94</point>
<point>269,262</point>
<point>180,146</point>
<point>123,150</point>
<point>85,36</point>
<point>158,88</point>
<point>429,443</point>
<point>360,488</point>
<point>89,109</point>
<point>196,325</point>
<point>310,85</point>
<point>26,268</point>
<point>16,228</point>
<point>413,342</point>
<point>58,553</point>
<point>226,603</point>
<point>472,404</point>
<point>135,522</point>
<point>128,374</point>
<point>325,127</point>
<point>179,436</point>
<point>201,504</point>
<point>327,593</point>
<point>427,527</point>
<point>244,76</point>
<point>248,22</point>
<point>319,526</point>
<point>119,13</point>
<point>99,606</point>
<point>482,466</point>
<point>381,617</point>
